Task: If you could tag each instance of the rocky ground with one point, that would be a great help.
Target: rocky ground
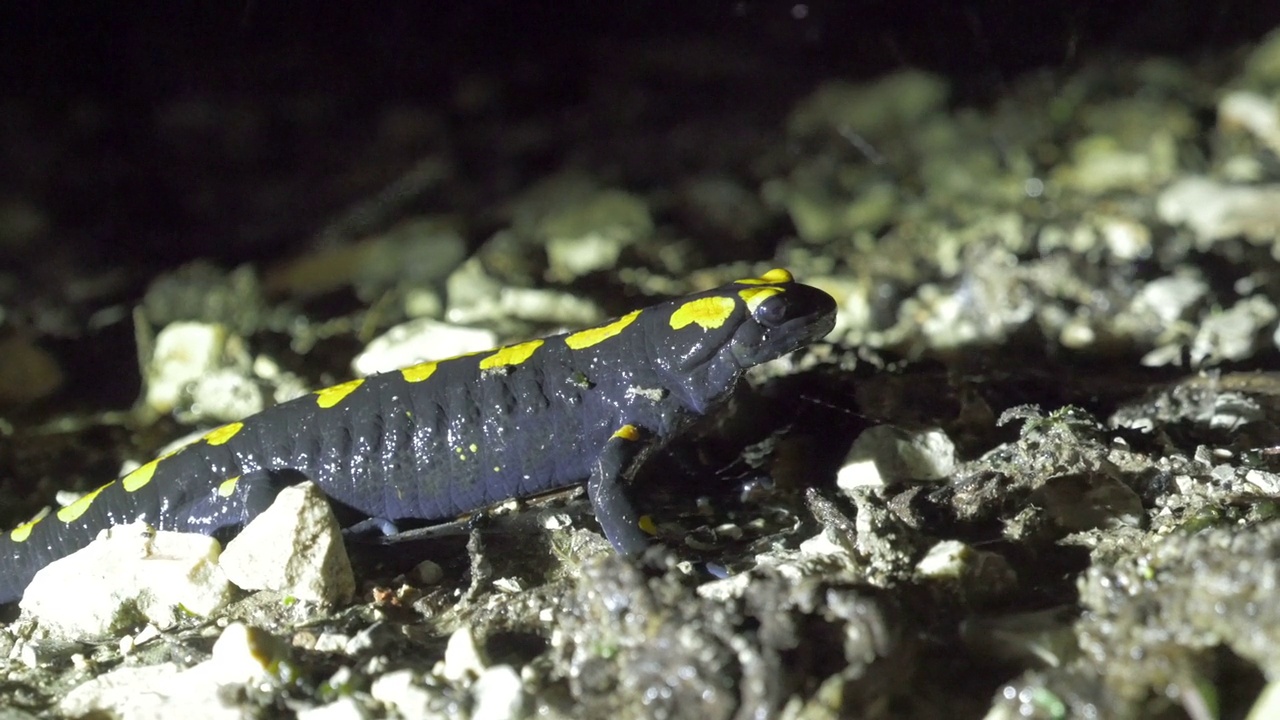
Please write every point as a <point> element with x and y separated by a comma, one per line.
<point>1033,472</point>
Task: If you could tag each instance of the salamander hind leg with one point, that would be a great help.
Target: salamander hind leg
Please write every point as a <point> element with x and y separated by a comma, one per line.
<point>613,509</point>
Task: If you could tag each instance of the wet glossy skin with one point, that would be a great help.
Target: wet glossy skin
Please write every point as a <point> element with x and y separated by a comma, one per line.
<point>440,439</point>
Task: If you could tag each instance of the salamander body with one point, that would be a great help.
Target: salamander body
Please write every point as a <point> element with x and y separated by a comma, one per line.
<point>440,439</point>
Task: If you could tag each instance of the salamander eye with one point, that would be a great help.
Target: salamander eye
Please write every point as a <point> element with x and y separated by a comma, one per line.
<point>771,312</point>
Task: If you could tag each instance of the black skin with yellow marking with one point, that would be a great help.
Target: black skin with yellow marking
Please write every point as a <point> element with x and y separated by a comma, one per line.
<point>441,439</point>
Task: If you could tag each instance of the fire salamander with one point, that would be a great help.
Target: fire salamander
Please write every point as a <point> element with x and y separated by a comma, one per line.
<point>441,439</point>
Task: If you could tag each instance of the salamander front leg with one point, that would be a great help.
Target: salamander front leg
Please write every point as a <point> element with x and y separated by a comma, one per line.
<point>613,508</point>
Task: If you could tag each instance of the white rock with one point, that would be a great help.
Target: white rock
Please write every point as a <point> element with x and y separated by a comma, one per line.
<point>294,547</point>
<point>1126,238</point>
<point>426,573</point>
<point>859,473</point>
<point>1267,483</point>
<point>1169,297</point>
<point>184,352</point>
<point>130,573</point>
<point>499,694</point>
<point>946,559</point>
<point>164,692</point>
<point>243,654</point>
<point>461,657</point>
<point>344,708</point>
<point>1216,211</point>
<point>725,589</point>
<point>140,693</point>
<point>885,453</point>
<point>476,298</point>
<point>1256,114</point>
<point>1234,333</point>
<point>226,394</point>
<point>403,691</point>
<point>417,341</point>
<point>157,692</point>
<point>590,234</point>
<point>575,256</point>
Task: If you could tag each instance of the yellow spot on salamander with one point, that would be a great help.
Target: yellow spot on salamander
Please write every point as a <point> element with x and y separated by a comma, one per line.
<point>23,531</point>
<point>76,509</point>
<point>223,434</point>
<point>140,477</point>
<point>227,487</point>
<point>419,372</point>
<point>510,355</point>
<point>708,312</point>
<point>647,524</point>
<point>331,396</point>
<point>628,432</point>
<point>474,448</point>
<point>754,296</point>
<point>776,276</point>
<point>595,336</point>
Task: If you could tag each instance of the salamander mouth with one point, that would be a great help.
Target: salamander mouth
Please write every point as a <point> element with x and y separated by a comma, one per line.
<point>778,341</point>
<point>755,343</point>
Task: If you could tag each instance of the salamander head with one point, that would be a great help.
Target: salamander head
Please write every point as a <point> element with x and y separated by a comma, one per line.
<point>781,315</point>
<point>745,323</point>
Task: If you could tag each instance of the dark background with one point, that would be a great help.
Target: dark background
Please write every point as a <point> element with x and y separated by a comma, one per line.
<point>122,123</point>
